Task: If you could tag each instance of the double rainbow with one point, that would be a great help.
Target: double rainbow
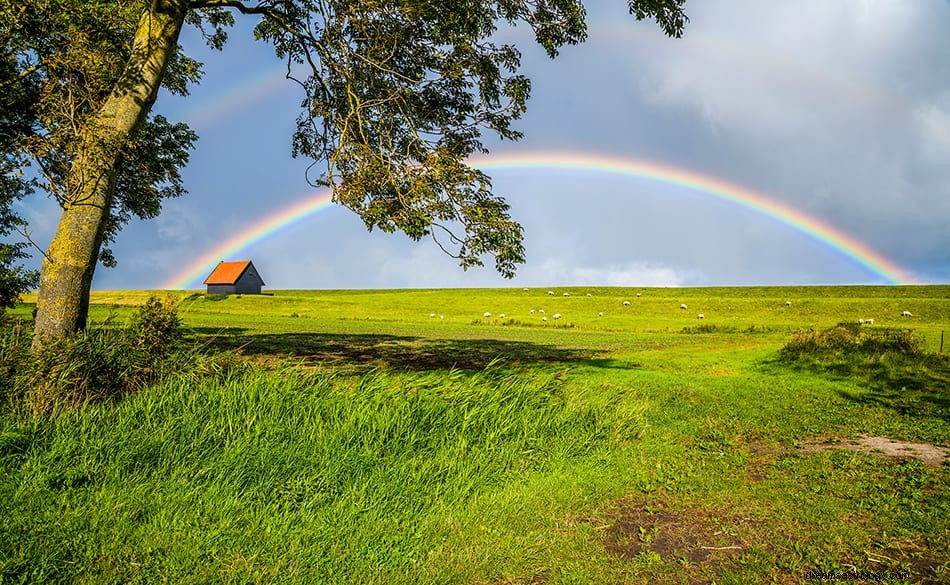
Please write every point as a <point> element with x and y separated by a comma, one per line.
<point>832,238</point>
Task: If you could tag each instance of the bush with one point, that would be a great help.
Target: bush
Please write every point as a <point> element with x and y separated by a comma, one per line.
<point>849,338</point>
<point>100,363</point>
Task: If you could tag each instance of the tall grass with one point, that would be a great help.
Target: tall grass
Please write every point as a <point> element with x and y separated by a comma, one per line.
<point>304,477</point>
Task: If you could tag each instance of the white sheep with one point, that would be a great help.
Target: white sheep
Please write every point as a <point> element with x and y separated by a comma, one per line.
<point>626,303</point>
<point>556,316</point>
<point>600,314</point>
<point>567,294</point>
<point>531,312</point>
<point>487,315</point>
<point>551,292</point>
<point>541,311</point>
<point>544,319</point>
<point>860,321</point>
<point>700,316</point>
<point>788,303</point>
<point>638,295</point>
<point>590,295</point>
<point>907,314</point>
<point>525,289</point>
<point>502,316</point>
<point>432,315</point>
<point>869,321</point>
<point>684,307</point>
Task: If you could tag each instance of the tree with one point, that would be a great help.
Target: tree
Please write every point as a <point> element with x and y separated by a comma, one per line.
<point>397,95</point>
<point>16,114</point>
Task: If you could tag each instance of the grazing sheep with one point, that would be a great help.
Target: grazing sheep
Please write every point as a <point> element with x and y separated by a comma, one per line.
<point>684,307</point>
<point>600,314</point>
<point>567,294</point>
<point>700,316</point>
<point>869,321</point>
<point>590,295</point>
<point>556,316</point>
<point>788,303</point>
<point>486,315</point>
<point>525,289</point>
<point>531,312</point>
<point>432,315</point>
<point>638,295</point>
<point>541,311</point>
<point>907,314</point>
<point>551,292</point>
<point>860,321</point>
<point>626,303</point>
<point>544,319</point>
<point>502,316</point>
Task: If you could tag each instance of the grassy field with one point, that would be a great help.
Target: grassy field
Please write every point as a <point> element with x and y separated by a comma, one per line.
<point>404,437</point>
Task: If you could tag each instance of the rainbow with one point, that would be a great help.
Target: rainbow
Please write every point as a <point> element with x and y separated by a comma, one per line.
<point>717,188</point>
<point>200,267</point>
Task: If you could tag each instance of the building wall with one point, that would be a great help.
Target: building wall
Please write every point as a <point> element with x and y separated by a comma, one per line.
<point>247,286</point>
<point>221,289</point>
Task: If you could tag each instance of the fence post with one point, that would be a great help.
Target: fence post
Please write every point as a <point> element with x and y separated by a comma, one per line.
<point>941,341</point>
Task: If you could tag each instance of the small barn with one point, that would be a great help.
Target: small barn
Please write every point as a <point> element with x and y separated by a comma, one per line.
<point>234,278</point>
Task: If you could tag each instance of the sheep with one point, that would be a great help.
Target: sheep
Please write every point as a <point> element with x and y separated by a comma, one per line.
<point>907,314</point>
<point>551,293</point>
<point>860,321</point>
<point>556,316</point>
<point>544,319</point>
<point>600,313</point>
<point>869,321</point>
<point>639,294</point>
<point>541,311</point>
<point>567,294</point>
<point>590,295</point>
<point>487,315</point>
<point>502,316</point>
<point>531,312</point>
<point>684,307</point>
<point>788,303</point>
<point>700,316</point>
<point>432,315</point>
<point>626,303</point>
<point>525,289</point>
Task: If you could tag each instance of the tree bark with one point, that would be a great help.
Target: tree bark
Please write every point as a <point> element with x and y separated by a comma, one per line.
<point>62,304</point>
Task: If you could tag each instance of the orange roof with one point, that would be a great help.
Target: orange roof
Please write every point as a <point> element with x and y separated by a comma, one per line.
<point>227,272</point>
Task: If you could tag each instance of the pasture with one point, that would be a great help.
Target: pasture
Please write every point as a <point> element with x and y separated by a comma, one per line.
<point>404,437</point>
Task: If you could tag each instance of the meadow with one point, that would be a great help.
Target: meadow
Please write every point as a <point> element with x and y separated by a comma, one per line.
<point>403,436</point>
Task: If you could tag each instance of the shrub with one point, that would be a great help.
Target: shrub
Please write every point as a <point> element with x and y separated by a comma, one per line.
<point>155,326</point>
<point>848,338</point>
<point>100,363</point>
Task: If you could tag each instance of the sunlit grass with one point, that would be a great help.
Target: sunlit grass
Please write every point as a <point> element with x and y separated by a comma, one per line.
<point>373,443</point>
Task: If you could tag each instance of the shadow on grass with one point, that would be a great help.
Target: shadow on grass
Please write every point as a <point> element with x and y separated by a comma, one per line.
<point>919,389</point>
<point>372,350</point>
<point>915,386</point>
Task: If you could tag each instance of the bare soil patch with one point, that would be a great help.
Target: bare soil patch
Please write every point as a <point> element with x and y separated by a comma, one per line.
<point>703,541</point>
<point>883,446</point>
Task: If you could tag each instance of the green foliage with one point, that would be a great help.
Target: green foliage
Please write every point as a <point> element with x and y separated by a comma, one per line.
<point>848,338</point>
<point>59,62</point>
<point>100,363</point>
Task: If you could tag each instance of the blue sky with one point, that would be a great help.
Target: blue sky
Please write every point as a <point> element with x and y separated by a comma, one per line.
<point>838,109</point>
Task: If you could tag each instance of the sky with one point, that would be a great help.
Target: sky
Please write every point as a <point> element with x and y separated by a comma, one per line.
<point>833,115</point>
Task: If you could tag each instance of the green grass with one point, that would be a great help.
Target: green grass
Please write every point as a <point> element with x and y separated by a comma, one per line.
<point>372,443</point>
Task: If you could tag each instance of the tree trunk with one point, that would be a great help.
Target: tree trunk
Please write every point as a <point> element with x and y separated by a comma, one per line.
<point>66,276</point>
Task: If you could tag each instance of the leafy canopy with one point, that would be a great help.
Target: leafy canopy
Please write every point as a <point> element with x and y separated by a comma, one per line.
<point>397,94</point>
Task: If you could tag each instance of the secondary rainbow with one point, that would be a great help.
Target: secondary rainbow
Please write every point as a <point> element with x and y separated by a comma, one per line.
<point>718,188</point>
